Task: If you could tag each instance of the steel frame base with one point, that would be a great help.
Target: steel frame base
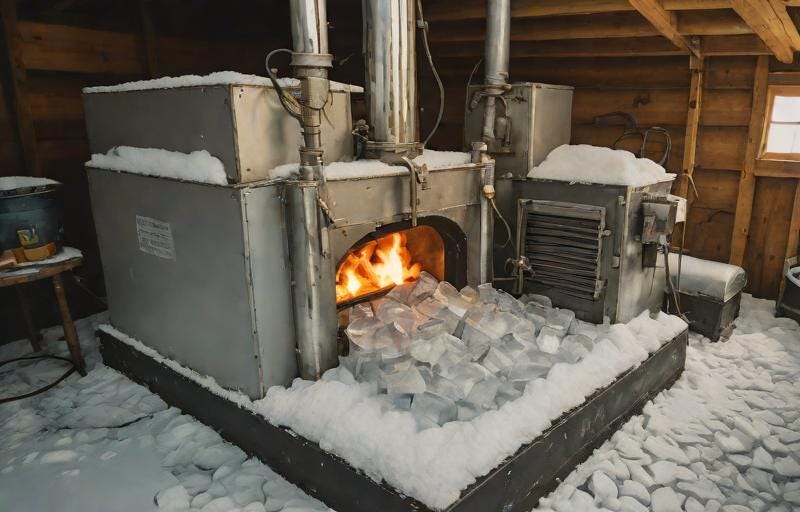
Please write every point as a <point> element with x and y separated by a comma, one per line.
<point>515,485</point>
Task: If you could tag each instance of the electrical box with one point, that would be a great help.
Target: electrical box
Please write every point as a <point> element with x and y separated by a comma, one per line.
<point>533,119</point>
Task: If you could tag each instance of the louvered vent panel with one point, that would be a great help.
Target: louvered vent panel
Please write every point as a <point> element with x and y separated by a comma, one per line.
<point>562,242</point>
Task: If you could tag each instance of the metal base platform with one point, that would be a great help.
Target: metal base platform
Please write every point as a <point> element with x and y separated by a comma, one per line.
<point>708,316</point>
<point>514,486</point>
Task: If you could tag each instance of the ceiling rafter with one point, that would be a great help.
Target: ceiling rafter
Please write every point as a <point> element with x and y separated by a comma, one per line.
<point>762,17</point>
<point>664,22</point>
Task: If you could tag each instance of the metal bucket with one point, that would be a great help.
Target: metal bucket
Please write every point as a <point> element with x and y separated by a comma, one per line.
<point>30,220</point>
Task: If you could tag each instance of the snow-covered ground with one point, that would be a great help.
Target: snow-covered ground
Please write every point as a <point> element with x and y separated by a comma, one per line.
<point>725,437</point>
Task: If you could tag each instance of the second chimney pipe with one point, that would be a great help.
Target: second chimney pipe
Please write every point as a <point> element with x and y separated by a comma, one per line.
<point>497,50</point>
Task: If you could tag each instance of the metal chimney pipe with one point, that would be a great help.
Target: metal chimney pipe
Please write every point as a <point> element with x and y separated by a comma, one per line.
<point>390,56</point>
<point>497,50</point>
<point>313,287</point>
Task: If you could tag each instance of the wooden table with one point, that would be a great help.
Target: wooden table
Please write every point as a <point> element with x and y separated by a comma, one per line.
<point>28,274</point>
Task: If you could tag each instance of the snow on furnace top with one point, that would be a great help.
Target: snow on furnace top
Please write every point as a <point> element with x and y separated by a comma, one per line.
<point>374,168</point>
<point>592,164</point>
<point>218,78</point>
<point>197,166</point>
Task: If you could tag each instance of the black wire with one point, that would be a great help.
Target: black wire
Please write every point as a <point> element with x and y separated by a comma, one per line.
<point>435,73</point>
<point>69,372</point>
<point>277,86</point>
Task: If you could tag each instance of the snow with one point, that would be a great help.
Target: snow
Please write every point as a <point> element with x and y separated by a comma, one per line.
<point>705,277</point>
<point>8,183</point>
<point>725,416</point>
<point>583,163</point>
<point>375,168</point>
<point>217,78</point>
<point>744,388</point>
<point>197,166</point>
<point>102,443</point>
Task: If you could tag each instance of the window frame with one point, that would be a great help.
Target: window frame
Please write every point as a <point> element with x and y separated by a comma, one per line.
<point>772,92</point>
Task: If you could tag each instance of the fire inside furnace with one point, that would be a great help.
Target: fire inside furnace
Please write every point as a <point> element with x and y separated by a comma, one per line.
<point>385,262</point>
<point>379,264</point>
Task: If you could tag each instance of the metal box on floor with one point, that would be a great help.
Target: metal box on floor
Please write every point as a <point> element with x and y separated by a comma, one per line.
<point>162,240</point>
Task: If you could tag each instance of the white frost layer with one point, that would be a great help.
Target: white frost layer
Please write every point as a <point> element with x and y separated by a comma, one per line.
<point>375,168</point>
<point>217,78</point>
<point>8,183</point>
<point>594,164</point>
<point>705,277</point>
<point>197,166</point>
<point>725,437</point>
<point>441,159</point>
<point>349,419</point>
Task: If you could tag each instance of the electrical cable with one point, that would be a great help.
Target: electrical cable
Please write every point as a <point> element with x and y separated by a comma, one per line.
<point>671,285</point>
<point>66,374</point>
<point>278,87</point>
<point>510,238</point>
<point>472,73</point>
<point>435,73</point>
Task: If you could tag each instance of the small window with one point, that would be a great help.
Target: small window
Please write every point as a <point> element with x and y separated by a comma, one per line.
<point>782,137</point>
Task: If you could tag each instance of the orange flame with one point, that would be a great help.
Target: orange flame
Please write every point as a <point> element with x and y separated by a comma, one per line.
<point>374,266</point>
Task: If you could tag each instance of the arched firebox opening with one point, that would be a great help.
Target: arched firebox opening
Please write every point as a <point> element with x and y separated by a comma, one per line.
<point>397,253</point>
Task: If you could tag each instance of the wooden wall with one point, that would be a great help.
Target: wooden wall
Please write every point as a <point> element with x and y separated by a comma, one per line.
<point>656,91</point>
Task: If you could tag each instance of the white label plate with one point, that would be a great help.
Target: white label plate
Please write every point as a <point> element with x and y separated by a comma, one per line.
<point>155,237</point>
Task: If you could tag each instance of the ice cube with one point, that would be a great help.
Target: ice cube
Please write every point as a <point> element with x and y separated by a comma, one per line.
<point>361,310</point>
<point>424,287</point>
<point>498,325</point>
<point>498,360</point>
<point>527,371</point>
<point>470,294</point>
<point>447,294</point>
<point>455,355</point>
<point>542,300</point>
<point>585,328</point>
<point>465,376</point>
<point>573,348</point>
<point>367,370</point>
<point>484,392</point>
<point>401,401</point>
<point>487,293</point>
<point>560,319</point>
<point>428,350</point>
<point>509,304</point>
<point>432,408</point>
<point>450,389</point>
<point>362,333</point>
<point>507,392</point>
<point>536,313</point>
<point>467,412</point>
<point>348,362</point>
<point>390,341</point>
<point>428,307</point>
<point>409,381</point>
<point>549,339</point>
<point>430,329</point>
<point>477,342</point>
<point>525,332</point>
<point>391,311</point>
<point>401,292</point>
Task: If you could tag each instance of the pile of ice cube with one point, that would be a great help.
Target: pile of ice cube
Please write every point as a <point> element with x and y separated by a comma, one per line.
<point>447,355</point>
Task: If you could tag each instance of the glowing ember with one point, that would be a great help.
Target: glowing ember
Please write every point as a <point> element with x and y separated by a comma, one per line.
<point>374,266</point>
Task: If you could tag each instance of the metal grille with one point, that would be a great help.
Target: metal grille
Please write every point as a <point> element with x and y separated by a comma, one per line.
<point>562,242</point>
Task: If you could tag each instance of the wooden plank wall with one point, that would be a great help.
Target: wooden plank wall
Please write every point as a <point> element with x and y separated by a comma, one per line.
<point>656,91</point>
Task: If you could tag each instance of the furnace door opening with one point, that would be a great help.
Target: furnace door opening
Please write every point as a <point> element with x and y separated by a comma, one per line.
<point>378,265</point>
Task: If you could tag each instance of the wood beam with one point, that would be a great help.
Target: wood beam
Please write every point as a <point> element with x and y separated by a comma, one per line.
<point>664,22</point>
<point>149,41</point>
<point>697,66</point>
<point>19,80</point>
<point>777,168</point>
<point>720,46</point>
<point>761,16</point>
<point>747,179</point>
<point>786,23</point>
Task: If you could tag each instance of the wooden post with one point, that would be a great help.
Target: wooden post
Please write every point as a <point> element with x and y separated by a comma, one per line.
<point>747,179</point>
<point>19,78</point>
<point>150,58</point>
<point>696,65</point>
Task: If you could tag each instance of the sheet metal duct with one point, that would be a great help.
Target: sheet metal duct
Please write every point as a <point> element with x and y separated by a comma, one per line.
<point>391,80</point>
<point>497,50</point>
